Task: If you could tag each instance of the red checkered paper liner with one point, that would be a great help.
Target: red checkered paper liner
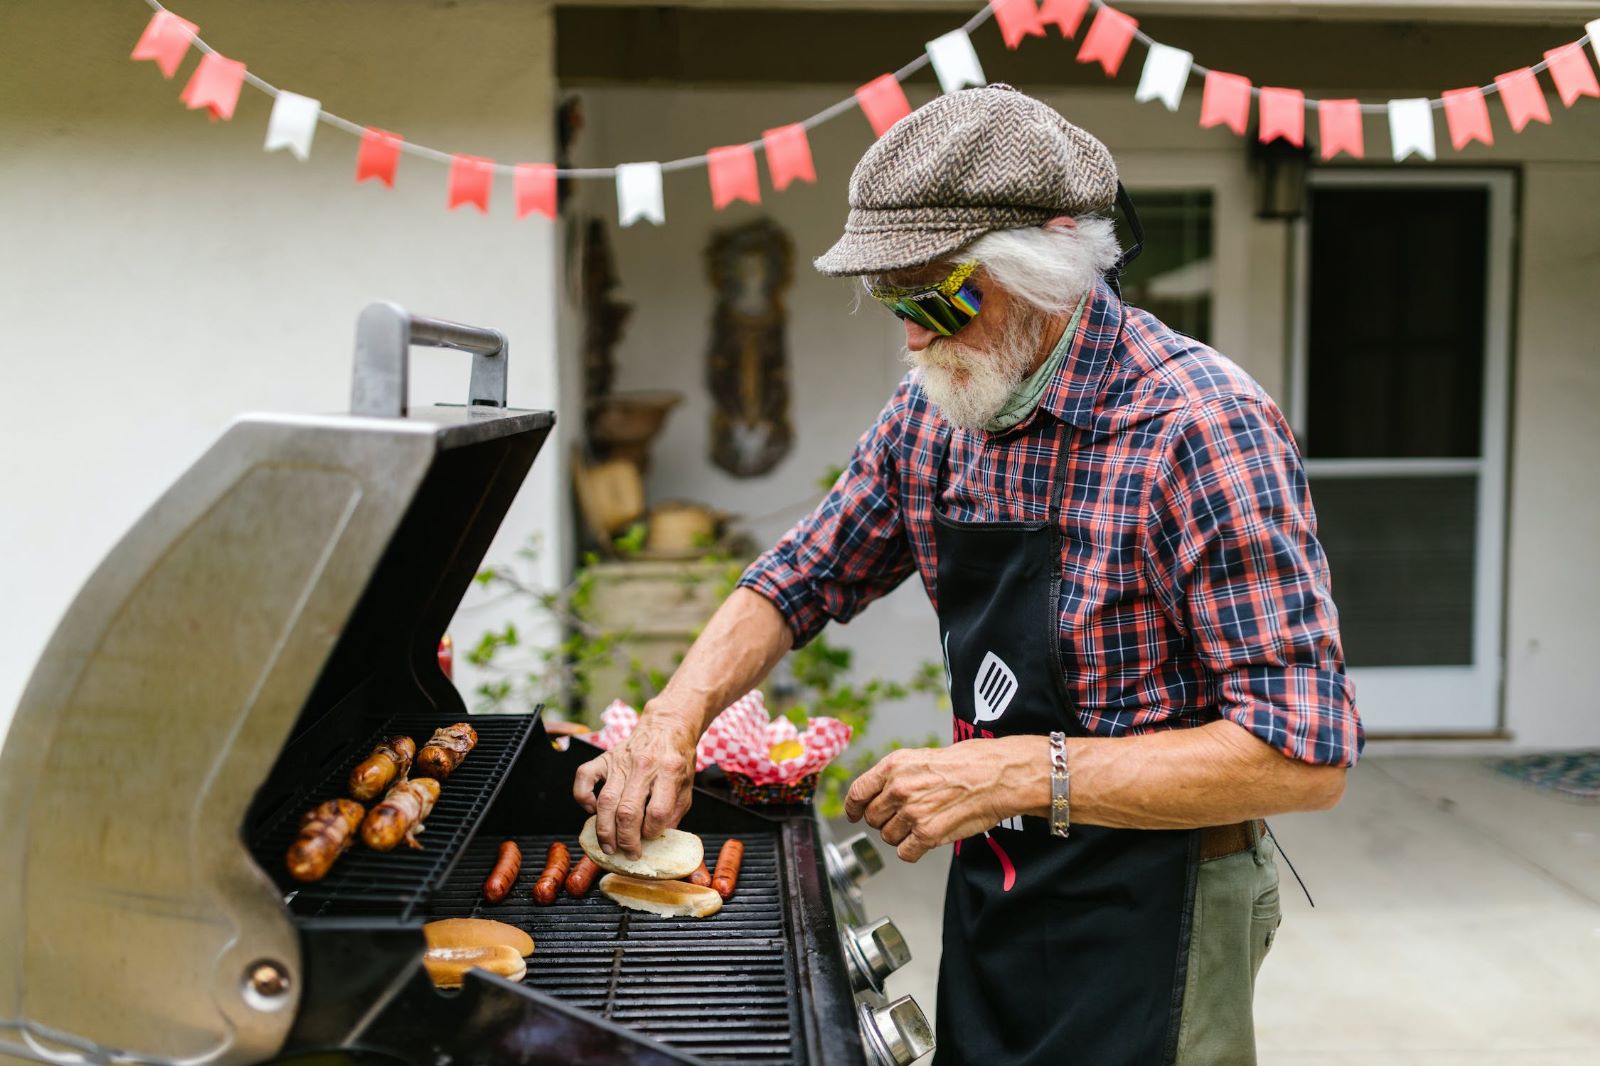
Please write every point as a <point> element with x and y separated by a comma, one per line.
<point>618,720</point>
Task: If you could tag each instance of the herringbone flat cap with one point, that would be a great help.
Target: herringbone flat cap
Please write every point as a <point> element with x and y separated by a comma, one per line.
<point>961,166</point>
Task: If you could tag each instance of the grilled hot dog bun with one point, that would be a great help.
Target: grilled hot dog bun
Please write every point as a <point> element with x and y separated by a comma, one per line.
<point>671,899</point>
<point>447,967</point>
<point>672,855</point>
<point>475,933</point>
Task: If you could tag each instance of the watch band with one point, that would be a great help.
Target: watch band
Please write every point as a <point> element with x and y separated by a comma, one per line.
<point>1060,797</point>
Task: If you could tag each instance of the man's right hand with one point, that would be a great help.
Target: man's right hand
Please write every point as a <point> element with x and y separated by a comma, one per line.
<point>648,781</point>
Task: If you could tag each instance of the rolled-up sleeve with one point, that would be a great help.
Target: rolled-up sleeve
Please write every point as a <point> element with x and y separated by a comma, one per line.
<point>852,548</point>
<point>1233,554</point>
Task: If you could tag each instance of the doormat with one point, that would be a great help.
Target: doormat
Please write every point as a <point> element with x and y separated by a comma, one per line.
<point>1573,773</point>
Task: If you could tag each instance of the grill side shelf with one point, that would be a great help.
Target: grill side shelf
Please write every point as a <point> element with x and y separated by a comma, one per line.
<point>396,884</point>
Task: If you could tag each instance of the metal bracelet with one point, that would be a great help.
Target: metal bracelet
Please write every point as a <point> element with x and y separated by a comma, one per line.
<point>1060,801</point>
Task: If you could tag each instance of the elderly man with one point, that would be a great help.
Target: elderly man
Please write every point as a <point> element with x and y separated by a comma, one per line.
<point>1114,526</point>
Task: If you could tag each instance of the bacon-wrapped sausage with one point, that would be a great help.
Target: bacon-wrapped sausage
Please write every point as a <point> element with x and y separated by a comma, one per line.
<point>388,762</point>
<point>582,877</point>
<point>326,832</point>
<point>556,863</point>
<point>503,877</point>
<point>445,749</point>
<point>400,815</point>
<point>727,875</point>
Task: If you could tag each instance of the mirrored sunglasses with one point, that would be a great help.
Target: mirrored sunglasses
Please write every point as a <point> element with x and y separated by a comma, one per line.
<point>943,308</point>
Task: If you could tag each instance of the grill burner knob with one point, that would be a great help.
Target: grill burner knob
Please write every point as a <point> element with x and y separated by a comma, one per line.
<point>874,951</point>
<point>896,1035</point>
<point>855,860</point>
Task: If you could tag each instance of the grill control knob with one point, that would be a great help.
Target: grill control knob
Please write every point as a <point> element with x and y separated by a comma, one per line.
<point>896,1035</point>
<point>855,860</point>
<point>874,951</point>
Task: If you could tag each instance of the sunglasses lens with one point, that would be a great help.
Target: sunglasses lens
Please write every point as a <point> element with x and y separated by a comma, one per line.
<point>932,309</point>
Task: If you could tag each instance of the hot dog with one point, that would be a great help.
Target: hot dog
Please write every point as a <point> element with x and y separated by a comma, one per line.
<point>556,863</point>
<point>400,815</point>
<point>388,761</point>
<point>727,875</point>
<point>503,877</point>
<point>582,877</point>
<point>445,749</point>
<point>325,833</point>
<point>701,876</point>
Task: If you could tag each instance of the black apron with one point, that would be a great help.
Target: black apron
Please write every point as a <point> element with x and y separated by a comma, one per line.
<point>1055,951</point>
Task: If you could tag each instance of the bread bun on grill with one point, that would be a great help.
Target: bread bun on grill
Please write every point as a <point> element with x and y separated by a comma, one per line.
<point>447,967</point>
<point>672,899</point>
<point>476,933</point>
<point>671,855</point>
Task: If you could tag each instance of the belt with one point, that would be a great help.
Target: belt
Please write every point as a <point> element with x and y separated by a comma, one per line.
<point>1217,841</point>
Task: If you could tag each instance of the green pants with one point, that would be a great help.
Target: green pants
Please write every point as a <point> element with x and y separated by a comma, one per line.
<point>1236,916</point>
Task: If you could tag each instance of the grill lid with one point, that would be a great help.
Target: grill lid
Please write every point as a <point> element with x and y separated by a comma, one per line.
<point>299,561</point>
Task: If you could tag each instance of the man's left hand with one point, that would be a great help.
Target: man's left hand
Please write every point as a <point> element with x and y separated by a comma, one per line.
<point>921,798</point>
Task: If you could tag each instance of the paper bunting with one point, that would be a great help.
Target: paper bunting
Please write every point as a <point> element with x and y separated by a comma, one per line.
<point>639,194</point>
<point>293,124</point>
<point>1591,30</point>
<point>1283,114</point>
<point>955,62</point>
<point>1522,97</point>
<point>471,181</point>
<point>535,187</point>
<point>1166,72</point>
<point>1107,40</point>
<point>1466,113</point>
<point>1339,127</point>
<point>1411,128</point>
<point>1225,101</point>
<point>1067,15</point>
<point>789,155</point>
<point>166,40</point>
<point>214,85</point>
<point>378,156</point>
<point>1017,19</point>
<point>733,175</point>
<point>884,103</point>
<point>1570,70</point>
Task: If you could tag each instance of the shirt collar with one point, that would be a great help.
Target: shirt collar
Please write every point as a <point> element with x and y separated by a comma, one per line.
<point>1071,396</point>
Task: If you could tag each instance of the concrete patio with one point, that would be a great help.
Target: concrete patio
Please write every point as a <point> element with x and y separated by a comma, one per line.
<point>1457,921</point>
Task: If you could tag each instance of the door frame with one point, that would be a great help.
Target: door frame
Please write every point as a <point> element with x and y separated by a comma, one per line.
<point>1400,697</point>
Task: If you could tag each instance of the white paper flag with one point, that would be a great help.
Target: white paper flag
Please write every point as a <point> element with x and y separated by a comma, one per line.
<point>1592,29</point>
<point>955,62</point>
<point>639,193</point>
<point>1411,128</point>
<point>1166,71</point>
<point>293,121</point>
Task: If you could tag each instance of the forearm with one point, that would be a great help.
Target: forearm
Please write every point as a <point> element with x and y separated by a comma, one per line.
<point>1215,774</point>
<point>739,646</point>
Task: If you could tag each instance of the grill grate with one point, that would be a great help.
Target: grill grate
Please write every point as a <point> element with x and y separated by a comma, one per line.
<point>396,883</point>
<point>720,988</point>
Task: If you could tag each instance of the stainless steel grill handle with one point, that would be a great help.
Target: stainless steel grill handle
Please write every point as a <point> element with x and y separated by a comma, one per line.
<point>385,333</point>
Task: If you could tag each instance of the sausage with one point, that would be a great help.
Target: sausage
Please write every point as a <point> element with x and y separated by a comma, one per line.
<point>445,749</point>
<point>582,877</point>
<point>503,878</point>
<point>400,815</point>
<point>556,863</point>
<point>727,875</point>
<point>326,832</point>
<point>701,876</point>
<point>388,761</point>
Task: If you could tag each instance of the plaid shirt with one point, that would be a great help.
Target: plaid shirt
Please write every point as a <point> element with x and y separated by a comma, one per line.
<point>1192,583</point>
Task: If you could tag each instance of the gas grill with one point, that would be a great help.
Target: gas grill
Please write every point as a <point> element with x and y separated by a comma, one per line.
<point>248,642</point>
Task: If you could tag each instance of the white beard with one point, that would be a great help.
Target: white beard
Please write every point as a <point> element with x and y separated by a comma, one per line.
<point>970,386</point>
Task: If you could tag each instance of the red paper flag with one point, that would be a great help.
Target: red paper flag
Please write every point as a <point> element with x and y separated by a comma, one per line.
<point>215,85</point>
<point>733,175</point>
<point>1339,126</point>
<point>789,155</point>
<point>378,156</point>
<point>1066,14</point>
<point>535,185</point>
<point>1467,114</point>
<point>883,102</point>
<point>1017,19</point>
<point>1108,39</point>
<point>1570,70</point>
<point>1283,114</point>
<point>166,40</point>
<point>1524,100</point>
<point>471,180</point>
<point>1226,101</point>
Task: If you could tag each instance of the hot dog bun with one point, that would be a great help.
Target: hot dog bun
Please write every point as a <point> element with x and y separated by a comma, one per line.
<point>476,933</point>
<point>671,899</point>
<point>672,855</point>
<point>447,967</point>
